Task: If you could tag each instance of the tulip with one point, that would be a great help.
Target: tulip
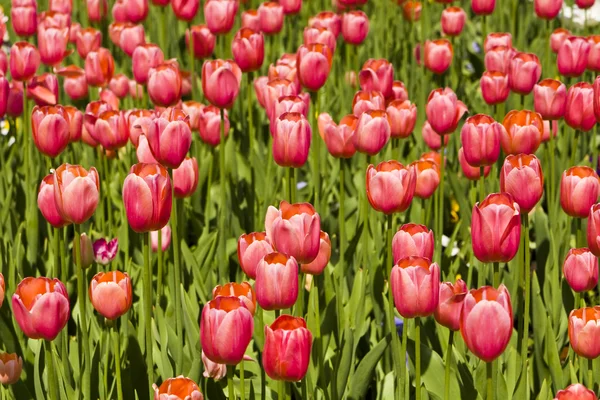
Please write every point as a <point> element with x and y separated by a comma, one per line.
<point>328,20</point>
<point>203,41</point>
<point>402,115</point>
<point>43,89</point>
<point>521,176</point>
<point>2,291</point>
<point>498,59</point>
<point>47,204</point>
<point>581,269</point>
<point>248,49</point>
<point>226,328</point>
<point>131,36</point>
<point>252,248</point>
<point>75,84</point>
<point>213,370</point>
<point>593,62</point>
<point>450,305</point>
<point>105,252</point>
<point>338,138</point>
<point>377,75</point>
<point>317,266</point>
<point>444,110</point>
<point>549,127</point>
<point>399,92</point>
<point>579,187</point>
<point>251,19</point>
<point>185,178</point>
<point>88,39</point>
<point>497,39</point>
<point>270,15</point>
<point>411,10</point>
<point>24,61</point>
<point>438,55</point>
<point>415,285</point>
<point>314,65</point>
<point>136,10</point>
<point>243,291</point>
<point>547,9</point>
<point>99,67</point>
<point>260,85</point>
<point>52,44</point>
<point>453,21</point>
<point>285,104</point>
<point>372,132</point>
<point>431,138</point>
<point>558,36</point>
<point>76,192</point>
<point>179,388</point>
<point>550,99</point>
<point>273,91</point>
<point>584,324</point>
<point>86,251</point>
<point>50,129</point>
<point>483,7</point>
<point>110,130</point>
<point>169,138</point>
<point>221,81</point>
<point>186,10</point>
<point>496,228</point>
<point>210,125</point>
<point>469,171</point>
<point>165,237</point>
<point>291,141</point>
<point>367,100</point>
<point>147,197</point>
<point>355,27</point>
<point>110,294</point>
<point>41,307</point>
<point>596,88</point>
<point>92,112</point>
<point>220,15</point>
<point>579,111</point>
<point>575,391</point>
<point>432,156</point>
<point>572,56</point>
<point>51,19</point>
<point>11,366</point>
<point>413,240</point>
<point>97,10</point>
<point>524,72</point>
<point>291,7</point>
<point>143,59</point>
<point>194,110</point>
<point>584,3</point>
<point>164,84</point>
<point>288,345</point>
<point>3,62</point>
<point>24,19</point>
<point>486,321</point>
<point>285,68</point>
<point>320,35</point>
<point>119,85</point>
<point>428,178</point>
<point>522,132</point>
<point>480,137</point>
<point>593,229</point>
<point>390,186</point>
<point>14,102</point>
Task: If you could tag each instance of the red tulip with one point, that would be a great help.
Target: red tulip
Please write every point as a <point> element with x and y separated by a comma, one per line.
<point>377,75</point>
<point>497,39</point>
<point>550,99</point>
<point>164,84</point>
<point>355,27</point>
<point>221,81</point>
<point>411,10</point>
<point>288,345</point>
<point>291,6</point>
<point>47,205</point>
<point>185,178</point>
<point>338,138</point>
<point>444,110</point>
<point>220,15</point>
<point>328,20</point>
<point>402,115</point>
<point>276,281</point>
<point>177,388</point>
<point>558,36</point>
<point>450,307</point>
<point>366,100</point>
<point>24,61</point>
<point>110,294</point>
<point>581,269</point>
<point>572,56</point>
<point>131,36</point>
<point>413,240</point>
<point>547,9</point>
<point>524,72</point>
<point>498,59</point>
<point>415,285</point>
<point>203,40</point>
<point>248,49</point>
<point>372,132</point>
<point>252,247</point>
<point>480,137</point>
<point>96,9</point>
<point>24,19</point>
<point>584,324</point>
<point>50,129</point>
<point>579,111</point>
<point>210,125</point>
<point>584,3</point>
<point>579,187</point>
<point>270,15</point>
<point>522,177</point>
<point>390,186</point>
<point>99,67</point>
<point>76,192</point>
<point>52,44</point>
<point>453,21</point>
<point>186,10</point>
<point>314,65</point>
<point>522,133</point>
<point>575,391</point>
<point>483,7</point>
<point>14,103</point>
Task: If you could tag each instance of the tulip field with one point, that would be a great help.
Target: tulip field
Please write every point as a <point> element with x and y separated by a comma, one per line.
<point>355,199</point>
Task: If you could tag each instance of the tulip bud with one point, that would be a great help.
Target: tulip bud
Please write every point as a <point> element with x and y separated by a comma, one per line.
<point>2,289</point>
<point>220,15</point>
<point>110,130</point>
<point>390,186</point>
<point>251,19</point>
<point>221,81</point>
<point>377,75</point>
<point>86,251</point>
<point>579,187</point>
<point>367,100</point>
<point>14,103</point>
<point>557,37</point>
<point>593,229</point>
<point>47,204</point>
<point>96,9</point>
<point>203,41</point>
<point>291,141</point>
<point>164,84</point>
<point>24,61</point>
<point>169,138</point>
<point>584,323</point>
<point>593,62</point>
<point>165,237</point>
<point>428,178</point>
<point>480,137</point>
<point>444,110</point>
<point>521,176</point>
<point>438,55</point>
<point>243,291</point>
<point>131,37</point>
<point>402,115</point>
<point>524,72</point>
<point>185,178</point>
<point>411,10</point>
<point>415,283</point>
<point>105,252</point>
<point>572,56</point>
<point>76,192</point>
<point>288,344</point>
<point>75,84</point>
<point>372,132</point>
<point>498,59</point>
<point>180,387</point>
<point>11,366</point>
<point>50,129</point>
<point>576,391</point>
<point>522,132</point>
<point>483,7</point>
<point>581,269</point>
<point>453,21</point>
<point>413,240</point>
<point>399,92</point>
<point>210,125</point>
<point>52,44</point>
<point>450,306</point>
<point>579,111</point>
<point>252,248</point>
<point>550,99</point>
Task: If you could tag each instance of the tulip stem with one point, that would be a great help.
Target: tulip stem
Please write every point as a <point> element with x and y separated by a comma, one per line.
<point>107,194</point>
<point>52,383</point>
<point>440,230</point>
<point>117,355</point>
<point>223,267</point>
<point>192,62</point>
<point>242,385</point>
<point>447,366</point>
<point>342,217</point>
<point>56,252</point>
<point>316,152</point>
<point>251,140</point>
<point>230,373</point>
<point>490,382</point>
<point>591,374</point>
<point>403,381</point>
<point>177,267</point>
<point>481,183</point>
<point>85,361</point>
<point>31,168</point>
<point>159,256</point>
<point>496,274</point>
<point>574,148</point>
<point>390,314</point>
<point>525,231</point>
<point>208,186</point>
<point>148,307</point>
<point>418,356</point>
<point>483,29</point>
<point>318,341</point>
<point>288,186</point>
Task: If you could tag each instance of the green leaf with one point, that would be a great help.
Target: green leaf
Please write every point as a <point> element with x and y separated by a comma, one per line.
<point>552,358</point>
<point>345,361</point>
<point>362,377</point>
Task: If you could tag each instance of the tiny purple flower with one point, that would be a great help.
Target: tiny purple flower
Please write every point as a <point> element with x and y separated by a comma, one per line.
<point>105,252</point>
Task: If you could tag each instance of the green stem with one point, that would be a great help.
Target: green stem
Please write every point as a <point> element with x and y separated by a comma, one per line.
<point>365,222</point>
<point>403,380</point>
<point>52,383</point>
<point>192,63</point>
<point>208,186</point>
<point>318,341</point>
<point>107,192</point>
<point>390,312</point>
<point>288,185</point>
<point>281,390</point>
<point>242,385</point>
<point>251,140</point>
<point>30,159</point>
<point>230,373</point>
<point>147,282</point>
<point>483,29</point>
<point>490,384</point>
<point>574,148</point>
<point>440,230</point>
<point>496,274</point>
<point>159,256</point>
<point>418,356</point>
<point>85,360</point>
<point>117,351</point>
<point>176,245</point>
<point>341,270</point>
<point>447,366</point>
<point>591,374</point>
<point>223,267</point>
<point>293,185</point>
<point>63,278</point>
<point>56,252</point>
<point>316,153</point>
<point>525,231</point>
<point>481,183</point>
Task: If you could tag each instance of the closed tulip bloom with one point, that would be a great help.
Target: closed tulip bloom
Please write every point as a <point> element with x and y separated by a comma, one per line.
<point>431,138</point>
<point>226,328</point>
<point>136,10</point>
<point>399,91</point>
<point>453,21</point>
<point>575,391</point>
<point>185,178</point>
<point>450,305</point>
<point>593,229</point>
<point>24,61</point>
<point>557,37</point>
<point>294,230</point>
<point>147,197</point>
<point>498,59</point>
<point>593,62</point>
<point>47,205</point>
<point>291,141</point>
<point>579,187</point>
<point>11,366</point>
<point>579,111</point>
<point>390,186</point>
<point>169,138</point>
<point>314,65</point>
<point>52,44</point>
<point>470,172</point>
<point>186,10</point>
<point>96,9</point>
<point>51,19</point>
<point>411,10</point>
<point>596,88</point>
<point>220,15</point>
<point>328,20</point>
<point>251,19</point>
<point>252,247</point>
<point>193,109</point>
<point>248,49</point>
<point>320,35</point>
<point>119,85</point>
<point>221,82</point>
<point>164,84</point>
<point>486,321</point>
<point>76,192</point>
<point>584,3</point>
<point>355,27</point>
<point>41,307</point>
<point>111,130</point>
<point>110,293</point>
<point>402,115</point>
<point>99,67</point>
<point>584,326</point>
<point>581,269</point>
<point>428,178</point>
<point>270,15</point>
<point>413,240</point>
<point>86,252</point>
<point>203,41</point>
<point>273,91</point>
<point>180,388</point>
<point>438,55</point>
<point>496,228</point>
<point>285,68</point>
<point>165,236</point>
<point>243,291</point>
<point>50,129</point>
<point>432,156</point>
<point>109,97</point>
<point>547,9</point>
<point>550,99</point>
<point>572,56</point>
<point>24,19</point>
<point>291,7</point>
<point>75,123</point>
<point>87,40</point>
<point>365,100</point>
<point>338,138</point>
<point>483,7</point>
<point>522,177</point>
<point>210,125</point>
<point>135,122</point>
<point>415,285</point>
<point>317,266</point>
<point>288,345</point>
<point>74,84</point>
<point>14,101</point>
<point>522,133</point>
<point>131,37</point>
<point>143,59</point>
<point>497,39</point>
<point>524,72</point>
<point>480,137</point>
<point>377,75</point>
<point>372,132</point>
<point>444,110</point>
<point>3,62</point>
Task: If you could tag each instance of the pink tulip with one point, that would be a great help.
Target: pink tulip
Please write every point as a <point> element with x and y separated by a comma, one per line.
<point>549,126</point>
<point>550,99</point>
<point>105,252</point>
<point>320,35</point>
<point>415,283</point>
<point>50,129</point>
<point>76,192</point>
<point>111,130</point>
<point>210,125</point>
<point>470,172</point>
<point>47,205</point>
<point>169,137</point>
<point>131,37</point>
<point>314,65</point>
<point>402,115</point>
<point>431,138</point>
<point>444,110</point>
<point>291,7</point>
<point>579,111</point>
<point>438,55</point>
<point>367,100</point>
<point>243,291</point>
<point>143,59</point>
<point>99,67</point>
<point>372,132</point>
<point>165,237</point>
<point>203,41</point>
<point>453,21</point>
<point>575,391</point>
<point>498,59</point>
<point>572,56</point>
<point>119,85</point>
<point>185,178</point>
<point>52,44</point>
<point>220,15</point>
<point>294,230</point>
<point>273,91</point>
<point>135,128</point>
<point>596,88</point>
<point>522,133</point>
<point>411,10</point>
<point>593,229</point>
<point>136,10</point>
<point>593,62</point>
<point>524,72</point>
<point>579,187</point>
<point>338,138</point>
<point>248,49</point>
<point>24,61</point>
<point>557,37</point>
<point>213,370</point>
<point>270,15</point>
<point>226,329</point>
<point>496,228</point>
<point>75,83</point>
<point>43,89</point>
<point>413,240</point>
<point>317,266</point>
<point>291,141</point>
<point>276,281</point>
<point>428,178</point>
<point>581,269</point>
<point>584,324</point>
<point>480,137</point>
<point>377,75</point>
<point>497,39</point>
<point>4,93</point>
<point>14,103</point>
<point>221,81</point>
<point>24,19</point>
<point>583,4</point>
<point>164,84</point>
<point>11,367</point>
<point>288,345</point>
<point>450,305</point>
<point>92,112</point>
<point>96,9</point>
<point>186,10</point>
<point>399,92</point>
<point>251,19</point>
<point>355,27</point>
<point>486,322</point>
<point>521,176</point>
<point>390,186</point>
<point>328,20</point>
<point>483,7</point>
<point>110,294</point>
<point>547,9</point>
<point>252,247</point>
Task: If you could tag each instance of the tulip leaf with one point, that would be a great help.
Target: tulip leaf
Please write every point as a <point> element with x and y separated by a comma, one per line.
<point>36,347</point>
<point>345,361</point>
<point>361,379</point>
<point>552,358</point>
